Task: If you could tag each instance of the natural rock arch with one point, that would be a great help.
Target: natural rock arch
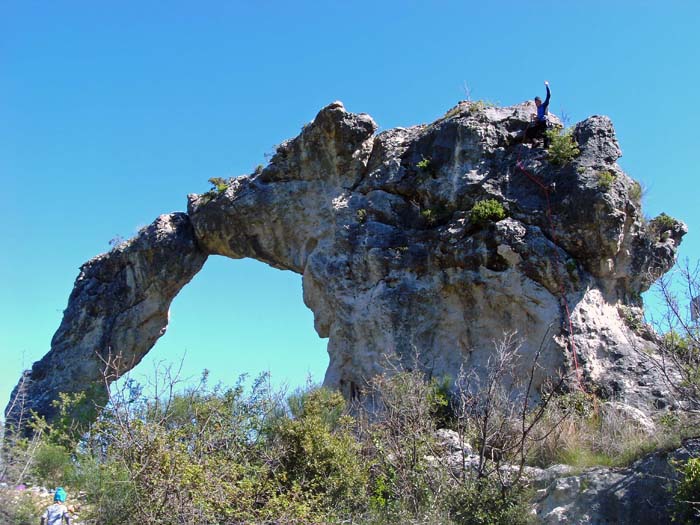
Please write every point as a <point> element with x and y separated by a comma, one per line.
<point>379,227</point>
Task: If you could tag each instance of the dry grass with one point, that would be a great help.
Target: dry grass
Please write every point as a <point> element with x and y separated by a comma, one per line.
<point>592,434</point>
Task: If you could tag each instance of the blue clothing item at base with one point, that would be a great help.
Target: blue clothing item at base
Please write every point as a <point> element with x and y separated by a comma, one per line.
<point>543,108</point>
<point>55,515</point>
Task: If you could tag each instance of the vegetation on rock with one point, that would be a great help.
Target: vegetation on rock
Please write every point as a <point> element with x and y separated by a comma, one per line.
<point>488,210</point>
<point>562,146</point>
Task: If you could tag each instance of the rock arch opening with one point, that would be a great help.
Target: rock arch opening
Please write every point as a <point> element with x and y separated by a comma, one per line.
<point>241,317</point>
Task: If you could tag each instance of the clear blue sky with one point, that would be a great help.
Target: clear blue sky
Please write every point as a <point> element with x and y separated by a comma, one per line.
<point>111,112</point>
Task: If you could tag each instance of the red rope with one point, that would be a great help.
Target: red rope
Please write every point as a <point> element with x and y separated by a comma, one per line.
<point>562,290</point>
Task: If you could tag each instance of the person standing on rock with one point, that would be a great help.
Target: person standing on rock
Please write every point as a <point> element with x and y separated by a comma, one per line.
<point>58,512</point>
<point>539,125</point>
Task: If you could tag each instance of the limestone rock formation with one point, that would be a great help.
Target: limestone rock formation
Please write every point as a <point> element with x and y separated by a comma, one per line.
<point>396,265</point>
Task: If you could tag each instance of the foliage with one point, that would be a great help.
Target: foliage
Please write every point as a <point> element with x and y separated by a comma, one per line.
<point>478,106</point>
<point>250,454</point>
<point>361,215</point>
<point>562,146</point>
<point>219,184</point>
<point>687,494</point>
<point>485,502</point>
<point>320,455</point>
<point>605,180</point>
<point>633,318</point>
<point>487,210</point>
<point>423,164</point>
<point>679,350</point>
<point>429,215</point>
<point>52,465</point>
<point>662,223</point>
<point>18,508</point>
<point>398,431</point>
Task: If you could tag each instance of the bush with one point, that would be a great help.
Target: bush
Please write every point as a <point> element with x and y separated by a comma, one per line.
<point>424,164</point>
<point>18,508</point>
<point>662,223</point>
<point>429,215</point>
<point>605,180</point>
<point>687,496</point>
<point>562,146</point>
<point>485,502</point>
<point>53,465</point>
<point>487,210</point>
<point>218,184</point>
<point>478,106</point>
<point>319,455</point>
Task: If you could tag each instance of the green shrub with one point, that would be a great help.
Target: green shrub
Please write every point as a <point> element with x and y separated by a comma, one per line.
<point>424,164</point>
<point>320,454</point>
<point>562,146</point>
<point>632,318</point>
<point>18,508</point>
<point>485,502</point>
<point>687,495</point>
<point>52,465</point>
<point>489,210</point>
<point>219,184</point>
<point>605,180</point>
<point>429,215</point>
<point>663,222</point>
<point>361,215</point>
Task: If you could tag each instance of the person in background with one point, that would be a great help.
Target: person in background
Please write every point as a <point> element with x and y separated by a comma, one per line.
<point>57,514</point>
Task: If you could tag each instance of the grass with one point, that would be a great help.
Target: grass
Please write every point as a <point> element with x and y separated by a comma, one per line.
<point>605,180</point>
<point>591,436</point>
<point>636,192</point>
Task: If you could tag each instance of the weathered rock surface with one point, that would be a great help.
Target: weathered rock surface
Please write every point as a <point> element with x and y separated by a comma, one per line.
<point>392,262</point>
<point>638,495</point>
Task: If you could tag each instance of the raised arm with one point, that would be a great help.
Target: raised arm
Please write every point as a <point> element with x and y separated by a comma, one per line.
<point>546,100</point>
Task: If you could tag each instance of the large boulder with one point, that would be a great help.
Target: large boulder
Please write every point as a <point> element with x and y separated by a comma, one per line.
<point>396,266</point>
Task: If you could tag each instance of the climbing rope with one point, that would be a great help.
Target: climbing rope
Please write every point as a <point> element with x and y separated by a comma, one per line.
<point>562,290</point>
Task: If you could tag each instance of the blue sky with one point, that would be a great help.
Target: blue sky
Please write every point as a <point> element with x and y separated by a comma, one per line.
<point>112,112</point>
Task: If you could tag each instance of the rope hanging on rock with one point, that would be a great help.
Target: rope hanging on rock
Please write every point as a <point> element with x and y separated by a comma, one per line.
<point>562,290</point>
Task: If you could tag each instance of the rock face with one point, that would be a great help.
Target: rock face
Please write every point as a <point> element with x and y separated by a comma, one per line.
<point>638,495</point>
<point>395,264</point>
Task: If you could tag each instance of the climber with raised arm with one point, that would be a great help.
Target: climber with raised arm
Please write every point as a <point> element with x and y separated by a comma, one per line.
<point>538,126</point>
